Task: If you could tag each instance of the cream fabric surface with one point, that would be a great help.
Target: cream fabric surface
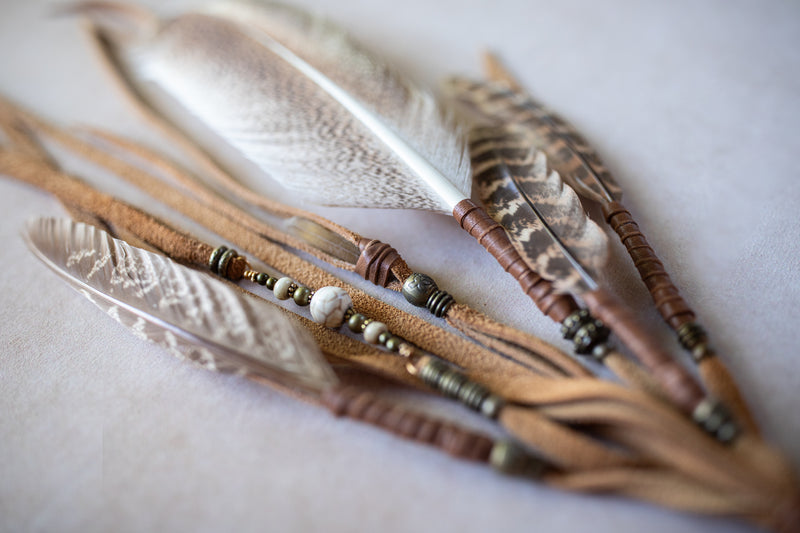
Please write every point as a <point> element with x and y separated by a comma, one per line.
<point>693,105</point>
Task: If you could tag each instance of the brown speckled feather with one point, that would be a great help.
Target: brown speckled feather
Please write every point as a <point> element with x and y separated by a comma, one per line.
<point>503,164</point>
<point>496,104</point>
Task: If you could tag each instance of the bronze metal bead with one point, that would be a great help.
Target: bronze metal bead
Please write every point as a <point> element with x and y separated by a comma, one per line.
<point>510,458</point>
<point>393,344</point>
<point>225,260</point>
<point>355,322</point>
<point>213,260</point>
<point>716,420</point>
<point>261,278</point>
<point>301,296</point>
<point>418,288</point>
<point>271,281</point>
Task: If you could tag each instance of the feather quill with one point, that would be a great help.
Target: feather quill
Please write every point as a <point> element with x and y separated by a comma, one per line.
<point>491,103</point>
<point>543,217</point>
<point>295,95</point>
<point>191,314</point>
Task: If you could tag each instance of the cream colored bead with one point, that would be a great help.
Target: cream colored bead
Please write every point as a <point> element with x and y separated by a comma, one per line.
<point>328,306</point>
<point>281,288</point>
<point>373,331</point>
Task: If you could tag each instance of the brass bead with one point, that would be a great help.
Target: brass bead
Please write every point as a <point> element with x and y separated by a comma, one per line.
<point>417,288</point>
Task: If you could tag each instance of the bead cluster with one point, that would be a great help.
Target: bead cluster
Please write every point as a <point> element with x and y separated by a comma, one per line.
<point>443,377</point>
<point>693,338</point>
<point>511,458</point>
<point>713,417</point>
<point>588,334</point>
<point>332,307</point>
<point>421,290</point>
<point>220,261</point>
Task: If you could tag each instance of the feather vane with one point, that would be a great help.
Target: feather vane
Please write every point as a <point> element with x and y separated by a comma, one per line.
<point>496,104</point>
<point>306,104</point>
<point>191,314</point>
<point>543,217</point>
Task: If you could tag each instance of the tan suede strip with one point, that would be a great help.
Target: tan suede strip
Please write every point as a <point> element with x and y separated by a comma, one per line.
<point>467,320</point>
<point>376,261</point>
<point>721,385</point>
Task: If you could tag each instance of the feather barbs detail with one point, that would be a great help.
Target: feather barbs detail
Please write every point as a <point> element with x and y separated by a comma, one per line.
<point>488,103</point>
<point>506,171</point>
<point>308,106</point>
<point>191,314</point>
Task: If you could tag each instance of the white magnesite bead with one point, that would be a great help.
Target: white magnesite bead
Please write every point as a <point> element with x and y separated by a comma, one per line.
<point>373,331</point>
<point>328,306</point>
<point>281,288</point>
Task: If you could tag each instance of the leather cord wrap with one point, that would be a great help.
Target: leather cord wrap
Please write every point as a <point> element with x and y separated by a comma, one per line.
<point>665,294</point>
<point>376,261</point>
<point>492,236</point>
<point>367,407</point>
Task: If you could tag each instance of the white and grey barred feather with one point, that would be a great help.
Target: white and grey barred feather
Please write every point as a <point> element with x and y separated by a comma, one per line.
<point>300,99</point>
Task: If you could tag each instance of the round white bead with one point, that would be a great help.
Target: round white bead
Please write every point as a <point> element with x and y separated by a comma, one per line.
<point>281,288</point>
<point>328,306</point>
<point>373,331</point>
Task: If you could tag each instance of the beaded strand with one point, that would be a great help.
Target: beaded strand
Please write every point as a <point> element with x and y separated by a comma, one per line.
<point>332,307</point>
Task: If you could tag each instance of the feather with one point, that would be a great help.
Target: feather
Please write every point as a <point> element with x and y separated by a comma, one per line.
<point>301,100</point>
<point>543,216</point>
<point>497,104</point>
<point>193,315</point>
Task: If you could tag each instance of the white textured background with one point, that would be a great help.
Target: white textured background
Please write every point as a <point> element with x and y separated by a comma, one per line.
<point>693,105</point>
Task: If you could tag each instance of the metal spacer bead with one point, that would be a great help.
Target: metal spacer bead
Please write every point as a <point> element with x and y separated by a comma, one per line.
<point>600,352</point>
<point>585,331</point>
<point>452,383</point>
<point>225,261</point>
<point>693,338</point>
<point>570,325</point>
<point>439,302</point>
<point>510,458</point>
<point>716,420</point>
<point>292,287</point>
<point>213,259</point>
<point>589,335</point>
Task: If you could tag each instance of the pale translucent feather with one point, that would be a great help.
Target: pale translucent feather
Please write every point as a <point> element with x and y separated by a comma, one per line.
<point>191,314</point>
<point>300,99</point>
<point>505,164</point>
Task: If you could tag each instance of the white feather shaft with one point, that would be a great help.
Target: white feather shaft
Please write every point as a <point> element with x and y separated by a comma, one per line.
<point>410,156</point>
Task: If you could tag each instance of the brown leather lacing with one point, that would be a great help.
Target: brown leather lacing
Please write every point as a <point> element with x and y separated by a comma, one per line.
<point>365,406</point>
